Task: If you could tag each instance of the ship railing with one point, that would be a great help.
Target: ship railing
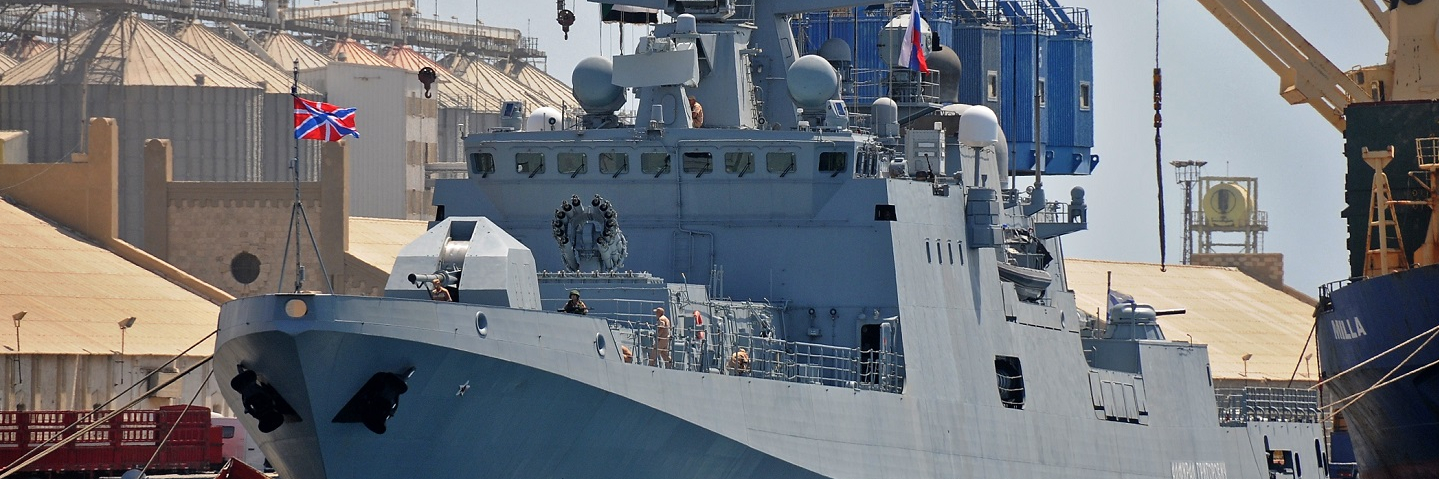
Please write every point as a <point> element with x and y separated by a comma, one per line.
<point>764,357</point>
<point>1238,406</point>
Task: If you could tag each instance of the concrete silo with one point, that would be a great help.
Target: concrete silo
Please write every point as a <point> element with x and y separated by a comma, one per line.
<point>277,140</point>
<point>155,87</point>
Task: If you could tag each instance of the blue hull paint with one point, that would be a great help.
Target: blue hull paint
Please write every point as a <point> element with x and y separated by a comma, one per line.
<point>1394,428</point>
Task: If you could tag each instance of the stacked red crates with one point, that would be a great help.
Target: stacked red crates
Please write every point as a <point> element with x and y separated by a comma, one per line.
<point>126,441</point>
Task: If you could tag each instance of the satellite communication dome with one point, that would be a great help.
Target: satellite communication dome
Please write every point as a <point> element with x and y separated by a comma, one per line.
<point>594,86</point>
<point>891,39</point>
<point>812,82</point>
<point>836,50</point>
<point>978,127</point>
<point>946,62</point>
<point>544,119</point>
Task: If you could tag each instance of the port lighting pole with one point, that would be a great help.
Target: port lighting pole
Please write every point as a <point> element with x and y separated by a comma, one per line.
<point>1186,173</point>
<point>17,317</point>
<point>124,325</point>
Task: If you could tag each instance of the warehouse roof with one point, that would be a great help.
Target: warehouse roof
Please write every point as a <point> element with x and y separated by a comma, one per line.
<point>1226,309</point>
<point>377,241</point>
<point>231,56</point>
<point>74,294</point>
<point>122,49</point>
<point>6,63</point>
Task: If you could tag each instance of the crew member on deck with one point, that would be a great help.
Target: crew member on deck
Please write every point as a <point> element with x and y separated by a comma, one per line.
<point>738,363</point>
<point>661,350</point>
<point>697,113</point>
<point>575,306</point>
<point>438,291</point>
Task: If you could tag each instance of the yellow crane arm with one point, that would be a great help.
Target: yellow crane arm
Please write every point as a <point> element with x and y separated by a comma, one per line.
<point>1305,75</point>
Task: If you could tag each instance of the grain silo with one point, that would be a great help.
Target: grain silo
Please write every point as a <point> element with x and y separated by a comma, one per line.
<point>155,87</point>
<point>463,107</point>
<point>22,49</point>
<point>277,140</point>
<point>551,90</point>
<point>285,50</point>
<point>6,63</point>
<point>491,80</point>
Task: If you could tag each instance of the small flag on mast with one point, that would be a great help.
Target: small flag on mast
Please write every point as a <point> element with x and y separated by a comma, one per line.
<point>911,52</point>
<point>322,121</point>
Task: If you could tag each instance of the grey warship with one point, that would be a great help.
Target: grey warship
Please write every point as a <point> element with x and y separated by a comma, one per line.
<point>848,296</point>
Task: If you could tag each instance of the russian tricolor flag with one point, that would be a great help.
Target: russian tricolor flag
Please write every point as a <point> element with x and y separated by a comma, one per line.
<point>912,51</point>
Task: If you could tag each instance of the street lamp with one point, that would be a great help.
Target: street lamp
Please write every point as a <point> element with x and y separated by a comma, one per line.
<point>17,317</point>
<point>124,325</point>
<point>1245,358</point>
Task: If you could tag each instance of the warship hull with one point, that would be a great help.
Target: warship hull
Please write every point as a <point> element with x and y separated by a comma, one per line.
<point>1393,427</point>
<point>537,394</point>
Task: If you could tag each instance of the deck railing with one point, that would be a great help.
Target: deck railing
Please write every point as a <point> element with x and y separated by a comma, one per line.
<point>1238,406</point>
<point>764,357</point>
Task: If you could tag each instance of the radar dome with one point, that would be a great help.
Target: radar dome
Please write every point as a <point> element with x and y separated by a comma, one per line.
<point>956,109</point>
<point>946,62</point>
<point>594,86</point>
<point>836,50</point>
<point>978,127</point>
<point>544,119</point>
<point>886,117</point>
<point>812,82</point>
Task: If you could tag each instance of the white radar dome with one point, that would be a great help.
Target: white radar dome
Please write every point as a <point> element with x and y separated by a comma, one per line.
<point>978,127</point>
<point>812,82</point>
<point>544,119</point>
<point>594,85</point>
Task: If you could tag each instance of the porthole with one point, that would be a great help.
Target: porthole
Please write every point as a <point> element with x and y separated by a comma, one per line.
<point>296,308</point>
<point>600,344</point>
<point>482,324</point>
<point>245,267</point>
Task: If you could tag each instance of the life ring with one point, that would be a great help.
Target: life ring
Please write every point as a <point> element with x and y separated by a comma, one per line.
<point>699,326</point>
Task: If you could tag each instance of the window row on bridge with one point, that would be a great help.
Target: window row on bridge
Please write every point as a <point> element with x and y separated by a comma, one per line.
<point>696,163</point>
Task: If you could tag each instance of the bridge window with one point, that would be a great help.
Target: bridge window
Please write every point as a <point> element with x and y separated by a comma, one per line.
<point>1084,96</point>
<point>571,163</point>
<point>655,163</point>
<point>482,163</point>
<point>698,163</point>
<point>781,162</point>
<point>529,163</point>
<point>833,161</point>
<point>739,162</point>
<point>614,163</point>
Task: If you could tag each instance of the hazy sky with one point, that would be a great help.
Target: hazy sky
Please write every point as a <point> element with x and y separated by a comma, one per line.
<point>1221,105</point>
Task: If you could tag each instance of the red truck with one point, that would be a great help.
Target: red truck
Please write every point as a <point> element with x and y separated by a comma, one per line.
<point>125,442</point>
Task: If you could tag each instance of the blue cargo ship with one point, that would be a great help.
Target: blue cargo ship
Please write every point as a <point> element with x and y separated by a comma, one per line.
<point>1375,331</point>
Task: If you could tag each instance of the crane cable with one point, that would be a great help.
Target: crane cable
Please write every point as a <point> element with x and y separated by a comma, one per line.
<point>1158,122</point>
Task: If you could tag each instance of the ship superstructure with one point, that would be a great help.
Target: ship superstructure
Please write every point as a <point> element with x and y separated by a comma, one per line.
<point>776,288</point>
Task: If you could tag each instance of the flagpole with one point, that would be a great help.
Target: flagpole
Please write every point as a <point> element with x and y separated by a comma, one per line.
<point>297,211</point>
